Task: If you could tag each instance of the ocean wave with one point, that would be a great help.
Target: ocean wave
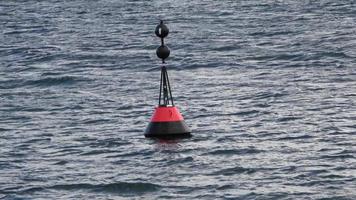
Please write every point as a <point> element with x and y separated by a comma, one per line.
<point>53,81</point>
<point>119,187</point>
<point>235,170</point>
<point>226,152</point>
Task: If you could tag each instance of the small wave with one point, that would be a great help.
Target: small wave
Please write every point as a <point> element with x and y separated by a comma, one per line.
<point>4,129</point>
<point>120,187</point>
<point>225,187</point>
<point>296,137</point>
<point>270,34</point>
<point>202,65</point>
<point>227,48</point>
<point>341,80</point>
<point>37,140</point>
<point>96,121</point>
<point>339,156</point>
<point>271,94</point>
<point>51,81</point>
<point>287,119</point>
<point>188,159</point>
<point>234,170</point>
<point>235,151</point>
<point>11,84</point>
<point>320,182</point>
<point>332,176</point>
<point>270,195</point>
<point>242,113</point>
<point>338,197</point>
<point>62,162</point>
<point>97,152</point>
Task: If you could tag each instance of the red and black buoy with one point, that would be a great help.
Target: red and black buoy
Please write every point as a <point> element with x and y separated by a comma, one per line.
<point>166,122</point>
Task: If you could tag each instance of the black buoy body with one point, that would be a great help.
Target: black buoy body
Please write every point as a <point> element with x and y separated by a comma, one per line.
<point>166,122</point>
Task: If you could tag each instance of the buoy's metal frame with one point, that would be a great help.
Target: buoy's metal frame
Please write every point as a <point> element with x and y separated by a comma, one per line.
<point>166,122</point>
<point>165,89</point>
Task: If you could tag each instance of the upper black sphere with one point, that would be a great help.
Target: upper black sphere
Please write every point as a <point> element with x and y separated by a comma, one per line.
<point>163,52</point>
<point>161,30</point>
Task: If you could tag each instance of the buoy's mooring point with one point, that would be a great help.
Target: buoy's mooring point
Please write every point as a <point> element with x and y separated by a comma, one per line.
<point>166,122</point>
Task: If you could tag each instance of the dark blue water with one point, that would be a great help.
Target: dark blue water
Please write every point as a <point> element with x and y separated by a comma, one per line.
<point>268,88</point>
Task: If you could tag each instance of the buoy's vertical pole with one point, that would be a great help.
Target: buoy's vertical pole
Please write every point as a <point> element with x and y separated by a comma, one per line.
<point>160,88</point>
<point>168,86</point>
<point>165,89</point>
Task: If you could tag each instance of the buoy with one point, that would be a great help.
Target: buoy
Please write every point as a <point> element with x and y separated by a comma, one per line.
<point>166,122</point>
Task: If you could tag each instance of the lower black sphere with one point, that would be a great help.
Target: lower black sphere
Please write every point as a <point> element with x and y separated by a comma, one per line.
<point>163,52</point>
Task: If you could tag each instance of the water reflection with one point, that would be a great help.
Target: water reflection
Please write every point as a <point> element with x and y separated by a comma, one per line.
<point>167,144</point>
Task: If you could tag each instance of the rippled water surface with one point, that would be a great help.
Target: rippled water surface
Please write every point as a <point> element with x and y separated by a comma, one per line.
<point>268,88</point>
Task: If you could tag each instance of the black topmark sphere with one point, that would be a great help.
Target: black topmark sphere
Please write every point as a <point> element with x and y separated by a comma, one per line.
<point>161,30</point>
<point>163,52</point>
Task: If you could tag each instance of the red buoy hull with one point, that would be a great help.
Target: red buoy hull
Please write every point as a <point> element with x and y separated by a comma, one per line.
<point>167,122</point>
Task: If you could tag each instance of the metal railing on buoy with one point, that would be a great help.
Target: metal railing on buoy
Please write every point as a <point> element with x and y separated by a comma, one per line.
<point>166,122</point>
